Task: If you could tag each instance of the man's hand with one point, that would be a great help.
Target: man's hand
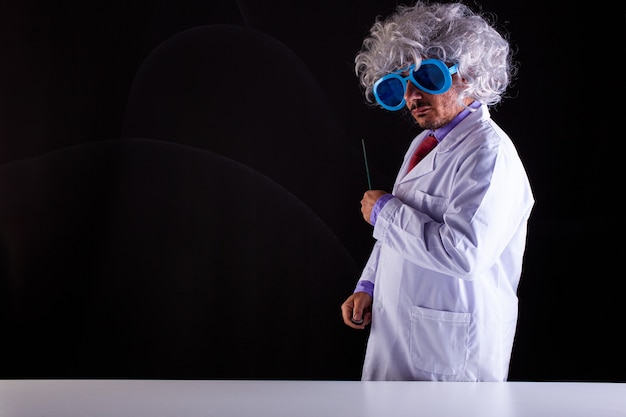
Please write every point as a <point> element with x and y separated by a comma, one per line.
<point>367,202</point>
<point>357,310</point>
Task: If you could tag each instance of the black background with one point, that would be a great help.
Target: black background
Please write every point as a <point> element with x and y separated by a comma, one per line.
<point>82,89</point>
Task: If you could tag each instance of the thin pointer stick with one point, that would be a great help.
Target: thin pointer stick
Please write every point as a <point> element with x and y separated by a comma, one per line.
<point>367,169</point>
<point>369,183</point>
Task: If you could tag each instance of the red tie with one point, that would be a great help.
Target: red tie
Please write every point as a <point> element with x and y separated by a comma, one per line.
<point>423,149</point>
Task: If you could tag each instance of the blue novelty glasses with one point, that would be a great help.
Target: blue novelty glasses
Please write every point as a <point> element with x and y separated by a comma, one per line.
<point>432,77</point>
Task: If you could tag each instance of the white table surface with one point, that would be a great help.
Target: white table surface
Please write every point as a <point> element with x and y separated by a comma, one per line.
<point>225,398</point>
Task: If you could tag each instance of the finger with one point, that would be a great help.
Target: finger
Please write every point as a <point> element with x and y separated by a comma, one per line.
<point>367,318</point>
<point>346,313</point>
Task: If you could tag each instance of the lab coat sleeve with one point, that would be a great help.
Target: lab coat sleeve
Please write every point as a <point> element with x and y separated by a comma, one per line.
<point>369,271</point>
<point>470,220</point>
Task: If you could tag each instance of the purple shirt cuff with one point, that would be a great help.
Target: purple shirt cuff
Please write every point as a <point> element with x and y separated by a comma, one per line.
<point>365,286</point>
<point>378,206</point>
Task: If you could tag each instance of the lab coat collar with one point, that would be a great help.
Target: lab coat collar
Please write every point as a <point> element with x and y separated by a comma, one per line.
<point>457,134</point>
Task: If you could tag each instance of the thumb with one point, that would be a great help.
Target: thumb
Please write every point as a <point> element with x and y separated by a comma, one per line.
<point>357,316</point>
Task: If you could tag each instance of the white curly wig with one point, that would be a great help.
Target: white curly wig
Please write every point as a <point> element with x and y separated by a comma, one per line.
<point>450,32</point>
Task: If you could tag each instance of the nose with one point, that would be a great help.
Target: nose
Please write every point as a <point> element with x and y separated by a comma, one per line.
<point>412,93</point>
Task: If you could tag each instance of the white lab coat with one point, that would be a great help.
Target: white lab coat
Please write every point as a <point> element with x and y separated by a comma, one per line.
<point>448,258</point>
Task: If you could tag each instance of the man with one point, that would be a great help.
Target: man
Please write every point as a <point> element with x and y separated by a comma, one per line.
<point>440,286</point>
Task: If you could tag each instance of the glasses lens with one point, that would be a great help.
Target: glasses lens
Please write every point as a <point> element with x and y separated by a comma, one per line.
<point>430,77</point>
<point>390,91</point>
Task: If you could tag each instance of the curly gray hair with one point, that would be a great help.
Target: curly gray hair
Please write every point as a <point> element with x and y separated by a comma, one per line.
<point>451,32</point>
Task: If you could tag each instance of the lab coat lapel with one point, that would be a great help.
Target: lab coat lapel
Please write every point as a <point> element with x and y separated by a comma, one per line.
<point>424,166</point>
<point>429,162</point>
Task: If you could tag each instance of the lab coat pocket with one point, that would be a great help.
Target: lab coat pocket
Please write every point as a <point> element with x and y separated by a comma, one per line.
<point>439,340</point>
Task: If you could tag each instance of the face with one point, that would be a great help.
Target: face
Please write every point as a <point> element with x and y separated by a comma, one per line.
<point>431,111</point>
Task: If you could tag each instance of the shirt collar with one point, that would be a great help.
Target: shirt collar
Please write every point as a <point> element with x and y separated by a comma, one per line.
<point>444,130</point>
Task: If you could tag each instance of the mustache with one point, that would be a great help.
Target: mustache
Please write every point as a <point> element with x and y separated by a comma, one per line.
<point>415,104</point>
